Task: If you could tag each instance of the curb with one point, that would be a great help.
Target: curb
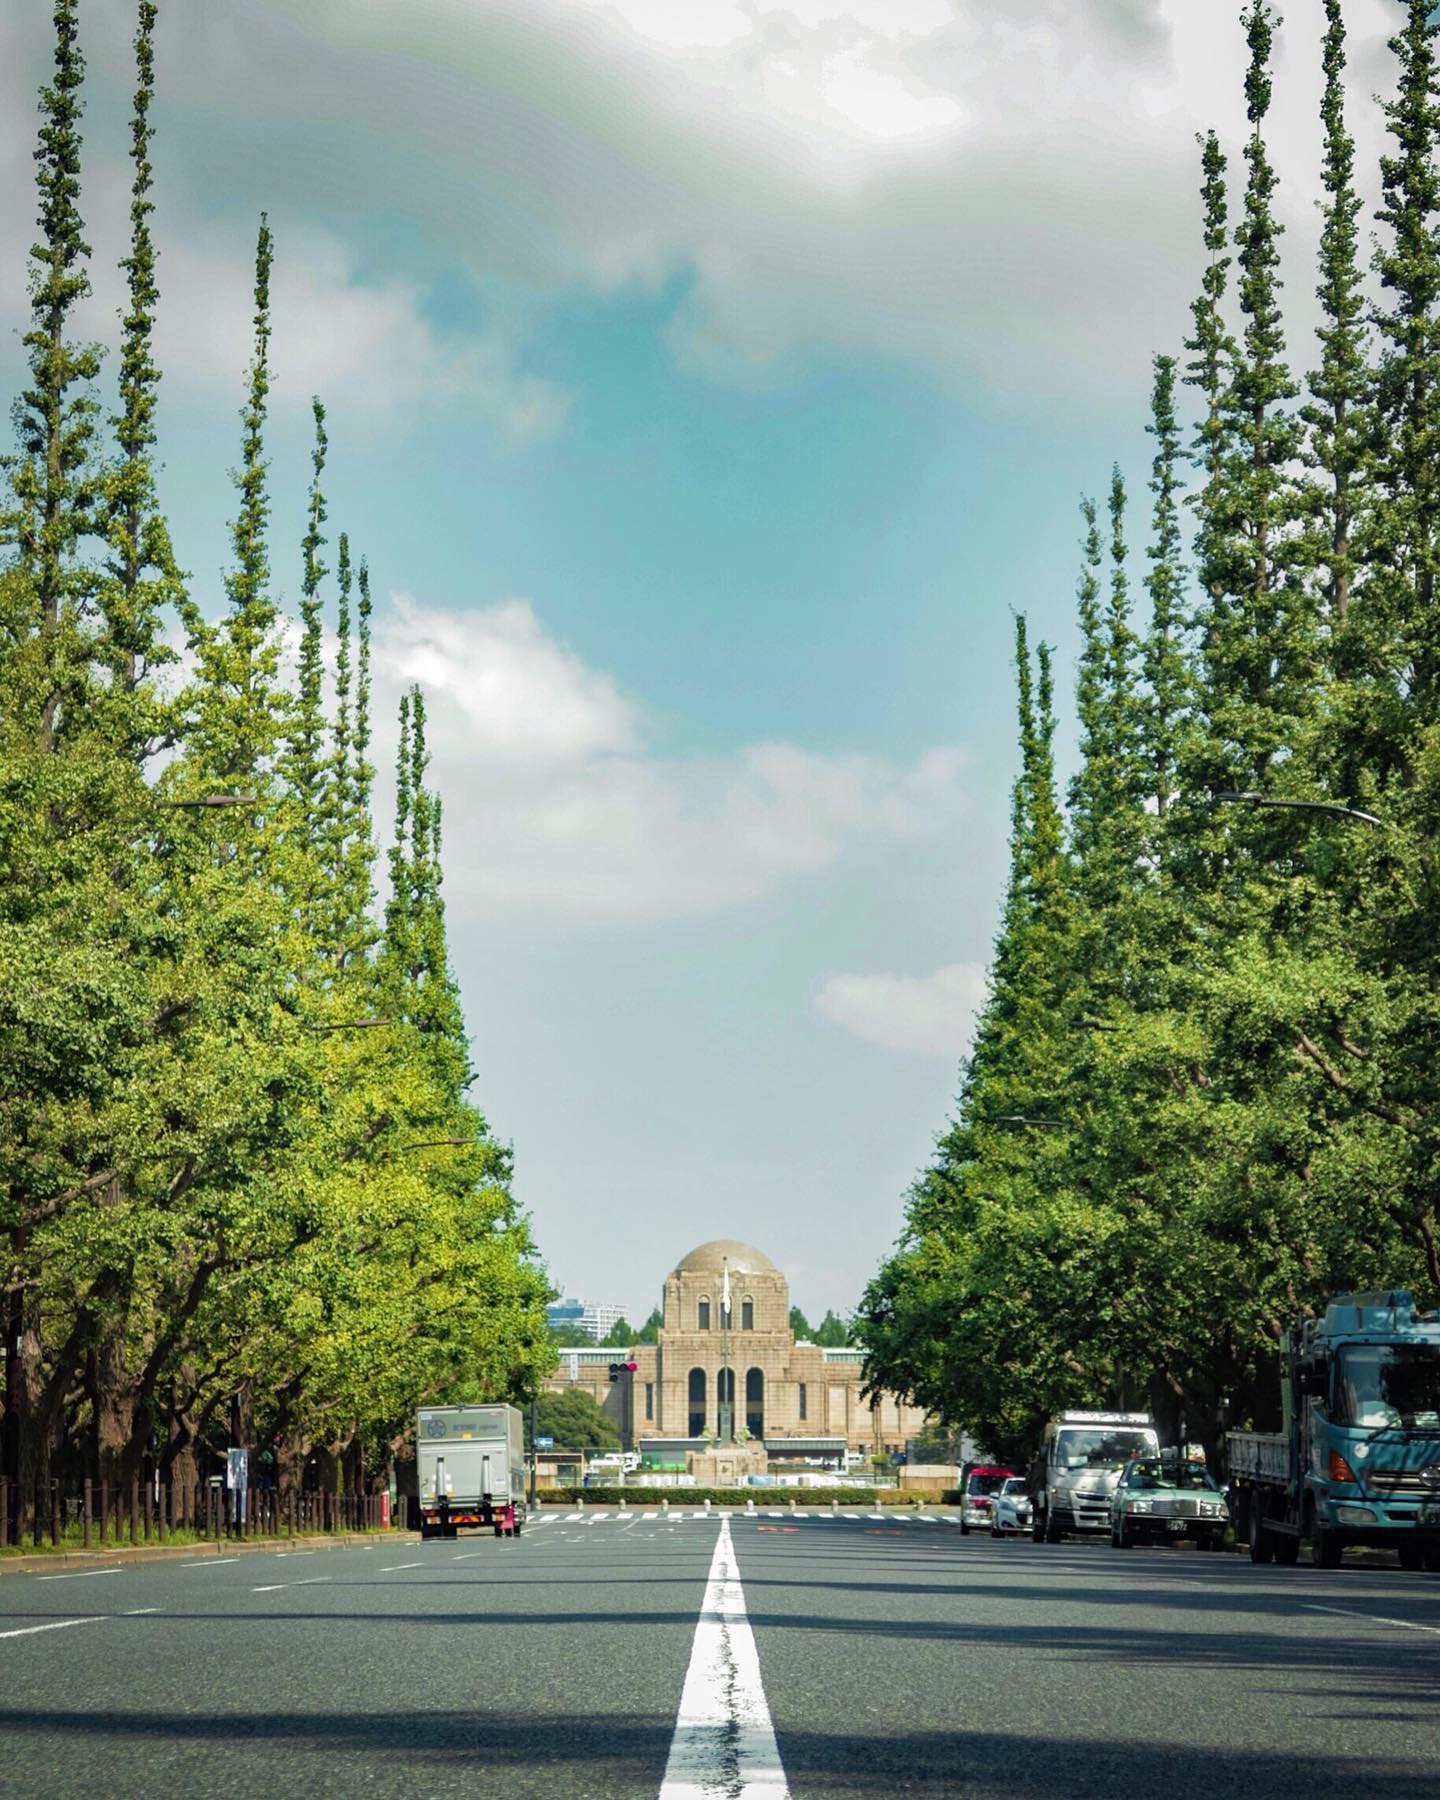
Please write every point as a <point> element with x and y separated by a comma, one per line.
<point>122,1554</point>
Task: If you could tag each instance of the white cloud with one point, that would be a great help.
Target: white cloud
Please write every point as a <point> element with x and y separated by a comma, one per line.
<point>925,1015</point>
<point>1008,193</point>
<point>555,804</point>
<point>510,692</point>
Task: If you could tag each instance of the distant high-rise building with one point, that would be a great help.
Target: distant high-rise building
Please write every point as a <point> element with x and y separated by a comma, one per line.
<point>598,1317</point>
<point>565,1312</point>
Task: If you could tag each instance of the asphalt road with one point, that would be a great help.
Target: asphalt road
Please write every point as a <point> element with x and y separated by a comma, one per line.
<point>895,1657</point>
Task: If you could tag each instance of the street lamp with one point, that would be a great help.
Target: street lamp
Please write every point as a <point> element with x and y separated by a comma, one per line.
<point>1252,797</point>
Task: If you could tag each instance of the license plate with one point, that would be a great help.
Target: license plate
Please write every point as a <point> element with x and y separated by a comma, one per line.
<point>1177,1524</point>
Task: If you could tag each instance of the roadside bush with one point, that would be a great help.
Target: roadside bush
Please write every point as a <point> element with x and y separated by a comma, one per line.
<point>724,1496</point>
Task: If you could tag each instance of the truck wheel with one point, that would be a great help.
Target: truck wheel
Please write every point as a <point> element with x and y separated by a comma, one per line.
<point>1052,1528</point>
<point>1037,1527</point>
<point>1262,1545</point>
<point>1432,1557</point>
<point>964,1528</point>
<point>1123,1539</point>
<point>1327,1547</point>
<point>1412,1557</point>
<point>1287,1551</point>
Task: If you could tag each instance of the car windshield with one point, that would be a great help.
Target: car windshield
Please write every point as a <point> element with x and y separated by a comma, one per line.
<point>1101,1449</point>
<point>985,1484</point>
<point>1144,1475</point>
<point>1188,1475</point>
<point>1015,1484</point>
<point>1389,1384</point>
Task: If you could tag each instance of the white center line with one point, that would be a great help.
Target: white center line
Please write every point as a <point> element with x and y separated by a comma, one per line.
<point>724,1741</point>
<point>139,1612</point>
<point>395,1568</point>
<point>79,1574</point>
<point>465,1555</point>
<point>272,1587</point>
<point>56,1625</point>
<point>214,1562</point>
<point>1344,1612</point>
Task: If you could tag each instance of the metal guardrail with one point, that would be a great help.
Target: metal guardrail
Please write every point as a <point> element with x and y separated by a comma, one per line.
<point>150,1512</point>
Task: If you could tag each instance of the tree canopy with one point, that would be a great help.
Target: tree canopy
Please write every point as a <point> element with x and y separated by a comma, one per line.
<point>1202,1091</point>
<point>247,1194</point>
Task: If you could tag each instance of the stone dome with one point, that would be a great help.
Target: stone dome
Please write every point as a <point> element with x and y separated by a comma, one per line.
<point>744,1259</point>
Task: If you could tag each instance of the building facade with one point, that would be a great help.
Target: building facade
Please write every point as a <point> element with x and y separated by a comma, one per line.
<point>799,1400</point>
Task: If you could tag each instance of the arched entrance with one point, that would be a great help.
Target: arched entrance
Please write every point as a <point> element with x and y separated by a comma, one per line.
<point>697,1403</point>
<point>755,1402</point>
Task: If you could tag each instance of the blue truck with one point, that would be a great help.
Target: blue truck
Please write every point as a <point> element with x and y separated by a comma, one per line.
<point>1358,1459</point>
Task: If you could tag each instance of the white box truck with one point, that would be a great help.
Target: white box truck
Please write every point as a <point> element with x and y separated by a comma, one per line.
<point>470,1461</point>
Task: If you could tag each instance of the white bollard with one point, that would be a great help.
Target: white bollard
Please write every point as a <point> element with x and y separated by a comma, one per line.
<point>835,1509</point>
<point>707,1503</point>
<point>664,1509</point>
<point>749,1506</point>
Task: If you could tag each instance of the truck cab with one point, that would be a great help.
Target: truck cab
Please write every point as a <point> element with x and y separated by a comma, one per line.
<point>1358,1460</point>
<point>1079,1465</point>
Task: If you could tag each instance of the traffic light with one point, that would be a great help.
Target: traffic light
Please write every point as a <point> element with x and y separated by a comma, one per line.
<point>625,1368</point>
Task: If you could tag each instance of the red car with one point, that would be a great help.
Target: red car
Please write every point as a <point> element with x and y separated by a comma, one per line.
<point>982,1482</point>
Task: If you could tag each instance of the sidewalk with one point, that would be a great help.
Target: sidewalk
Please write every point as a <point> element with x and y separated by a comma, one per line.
<point>47,1561</point>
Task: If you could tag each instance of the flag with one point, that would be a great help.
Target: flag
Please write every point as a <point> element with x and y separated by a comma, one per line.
<point>725,1291</point>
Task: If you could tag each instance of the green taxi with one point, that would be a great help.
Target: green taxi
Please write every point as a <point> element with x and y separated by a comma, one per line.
<point>1156,1502</point>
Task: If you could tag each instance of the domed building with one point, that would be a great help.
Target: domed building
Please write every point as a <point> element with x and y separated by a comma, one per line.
<point>743,1370</point>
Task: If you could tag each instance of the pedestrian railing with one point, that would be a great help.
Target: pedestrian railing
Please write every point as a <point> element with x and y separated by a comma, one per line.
<point>102,1513</point>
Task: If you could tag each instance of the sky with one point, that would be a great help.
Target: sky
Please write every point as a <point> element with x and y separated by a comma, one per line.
<point>709,383</point>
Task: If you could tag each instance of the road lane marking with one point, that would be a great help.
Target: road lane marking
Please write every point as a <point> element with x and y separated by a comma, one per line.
<point>575,1515</point>
<point>79,1574</point>
<point>724,1741</point>
<point>295,1553</point>
<point>852,1515</point>
<point>139,1612</point>
<point>654,1515</point>
<point>272,1587</point>
<point>395,1568</point>
<point>55,1625</point>
<point>1344,1612</point>
<point>464,1555</point>
<point>214,1562</point>
<point>595,1518</point>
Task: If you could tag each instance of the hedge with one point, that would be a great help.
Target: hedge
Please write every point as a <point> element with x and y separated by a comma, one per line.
<point>767,1497</point>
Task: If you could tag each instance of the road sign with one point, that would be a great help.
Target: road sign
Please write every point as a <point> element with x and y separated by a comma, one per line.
<point>544,1443</point>
<point>574,1366</point>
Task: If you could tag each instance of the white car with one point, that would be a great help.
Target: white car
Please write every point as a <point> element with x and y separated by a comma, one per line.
<point>1010,1510</point>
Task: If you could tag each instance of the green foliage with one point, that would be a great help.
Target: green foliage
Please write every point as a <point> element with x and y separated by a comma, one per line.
<point>574,1421</point>
<point>246,1194</point>
<point>801,1326</point>
<point>1203,1092</point>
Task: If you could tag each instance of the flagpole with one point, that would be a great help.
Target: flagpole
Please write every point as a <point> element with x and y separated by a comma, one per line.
<point>727,1419</point>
